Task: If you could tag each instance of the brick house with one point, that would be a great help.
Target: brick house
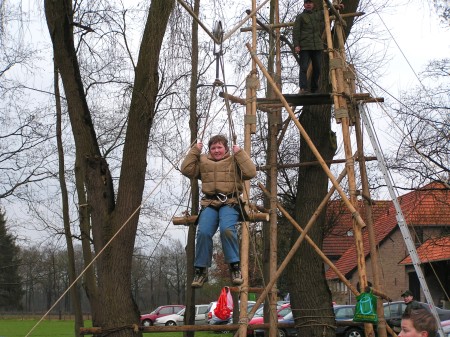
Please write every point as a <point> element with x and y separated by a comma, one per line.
<point>427,213</point>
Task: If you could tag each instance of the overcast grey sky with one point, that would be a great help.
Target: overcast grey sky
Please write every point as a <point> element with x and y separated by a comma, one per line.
<point>419,37</point>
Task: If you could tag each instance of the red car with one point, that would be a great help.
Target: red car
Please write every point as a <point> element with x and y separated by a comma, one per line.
<point>258,318</point>
<point>148,319</point>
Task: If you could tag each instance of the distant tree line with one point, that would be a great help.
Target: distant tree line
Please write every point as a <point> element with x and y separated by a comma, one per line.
<point>10,279</point>
<point>33,279</point>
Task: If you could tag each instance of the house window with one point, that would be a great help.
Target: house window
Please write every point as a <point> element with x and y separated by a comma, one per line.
<point>445,231</point>
<point>418,237</point>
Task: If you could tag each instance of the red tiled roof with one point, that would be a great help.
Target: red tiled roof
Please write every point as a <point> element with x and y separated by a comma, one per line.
<point>432,250</point>
<point>427,206</point>
<point>340,234</point>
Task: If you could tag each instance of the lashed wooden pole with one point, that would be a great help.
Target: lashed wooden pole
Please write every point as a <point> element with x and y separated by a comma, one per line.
<point>308,140</point>
<point>295,246</point>
<point>337,66</point>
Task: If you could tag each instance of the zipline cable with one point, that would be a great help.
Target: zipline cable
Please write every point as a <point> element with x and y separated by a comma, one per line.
<point>113,237</point>
<point>375,138</point>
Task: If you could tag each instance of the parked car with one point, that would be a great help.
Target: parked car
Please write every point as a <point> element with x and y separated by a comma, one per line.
<point>171,320</point>
<point>211,318</point>
<point>178,318</point>
<point>258,318</point>
<point>164,310</point>
<point>284,314</point>
<point>446,327</point>
<point>201,310</point>
<point>344,321</point>
<point>287,332</point>
<point>393,312</point>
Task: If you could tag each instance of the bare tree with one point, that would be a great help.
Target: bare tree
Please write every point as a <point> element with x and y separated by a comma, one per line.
<point>25,152</point>
<point>422,117</point>
<point>114,216</point>
<point>443,9</point>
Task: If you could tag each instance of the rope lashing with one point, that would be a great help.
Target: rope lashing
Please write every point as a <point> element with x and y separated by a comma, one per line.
<point>336,63</point>
<point>252,82</point>
<point>340,113</point>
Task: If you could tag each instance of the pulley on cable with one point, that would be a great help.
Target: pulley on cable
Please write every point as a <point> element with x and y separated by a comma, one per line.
<point>218,34</point>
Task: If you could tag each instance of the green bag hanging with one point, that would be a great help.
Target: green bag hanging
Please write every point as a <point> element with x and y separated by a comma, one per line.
<point>366,308</point>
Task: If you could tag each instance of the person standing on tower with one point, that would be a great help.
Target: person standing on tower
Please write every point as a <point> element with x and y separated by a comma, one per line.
<point>307,35</point>
<point>308,28</point>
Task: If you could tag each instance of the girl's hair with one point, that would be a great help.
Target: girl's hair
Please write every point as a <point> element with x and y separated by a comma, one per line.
<point>218,139</point>
<point>422,320</point>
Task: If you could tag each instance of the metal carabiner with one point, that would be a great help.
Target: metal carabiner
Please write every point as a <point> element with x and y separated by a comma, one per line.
<point>219,195</point>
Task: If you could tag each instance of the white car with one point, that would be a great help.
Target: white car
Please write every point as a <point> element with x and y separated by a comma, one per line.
<point>178,318</point>
<point>446,327</point>
<point>171,320</point>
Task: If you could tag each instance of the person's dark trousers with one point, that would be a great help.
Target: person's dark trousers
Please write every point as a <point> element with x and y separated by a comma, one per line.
<point>315,56</point>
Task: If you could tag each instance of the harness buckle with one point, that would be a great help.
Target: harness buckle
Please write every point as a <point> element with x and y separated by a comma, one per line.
<point>221,197</point>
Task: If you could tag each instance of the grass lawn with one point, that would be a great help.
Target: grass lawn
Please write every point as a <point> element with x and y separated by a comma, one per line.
<point>62,328</point>
<point>20,328</point>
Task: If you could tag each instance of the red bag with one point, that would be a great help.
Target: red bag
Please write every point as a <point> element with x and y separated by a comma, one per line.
<point>224,304</point>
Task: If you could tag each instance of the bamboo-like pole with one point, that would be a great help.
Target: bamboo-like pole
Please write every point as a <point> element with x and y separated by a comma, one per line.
<point>309,163</point>
<point>290,24</point>
<point>191,219</point>
<point>381,326</point>
<point>250,15</point>
<point>296,245</point>
<point>195,17</point>
<point>275,123</point>
<point>216,328</point>
<point>179,328</point>
<point>302,231</point>
<point>342,115</point>
<point>331,57</point>
<point>248,128</point>
<point>308,140</point>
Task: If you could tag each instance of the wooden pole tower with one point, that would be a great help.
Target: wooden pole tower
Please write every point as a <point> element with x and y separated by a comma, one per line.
<point>345,101</point>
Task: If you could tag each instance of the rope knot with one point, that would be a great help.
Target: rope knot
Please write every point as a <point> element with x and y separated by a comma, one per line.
<point>252,82</point>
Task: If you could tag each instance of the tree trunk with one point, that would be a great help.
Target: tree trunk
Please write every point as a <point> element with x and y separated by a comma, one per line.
<point>109,215</point>
<point>74,290</point>
<point>310,296</point>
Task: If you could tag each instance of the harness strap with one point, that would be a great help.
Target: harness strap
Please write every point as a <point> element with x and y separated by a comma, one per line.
<point>221,196</point>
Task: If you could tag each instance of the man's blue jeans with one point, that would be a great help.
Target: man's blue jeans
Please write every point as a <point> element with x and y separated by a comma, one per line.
<point>224,218</point>
<point>315,56</point>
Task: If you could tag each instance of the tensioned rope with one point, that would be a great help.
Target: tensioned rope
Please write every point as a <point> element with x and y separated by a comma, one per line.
<point>233,136</point>
<point>95,257</point>
<point>113,237</point>
<point>394,122</point>
<point>165,230</point>
<point>154,189</point>
<point>398,46</point>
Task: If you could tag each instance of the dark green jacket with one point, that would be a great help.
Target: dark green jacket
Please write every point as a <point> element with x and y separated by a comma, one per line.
<point>413,305</point>
<point>308,29</point>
